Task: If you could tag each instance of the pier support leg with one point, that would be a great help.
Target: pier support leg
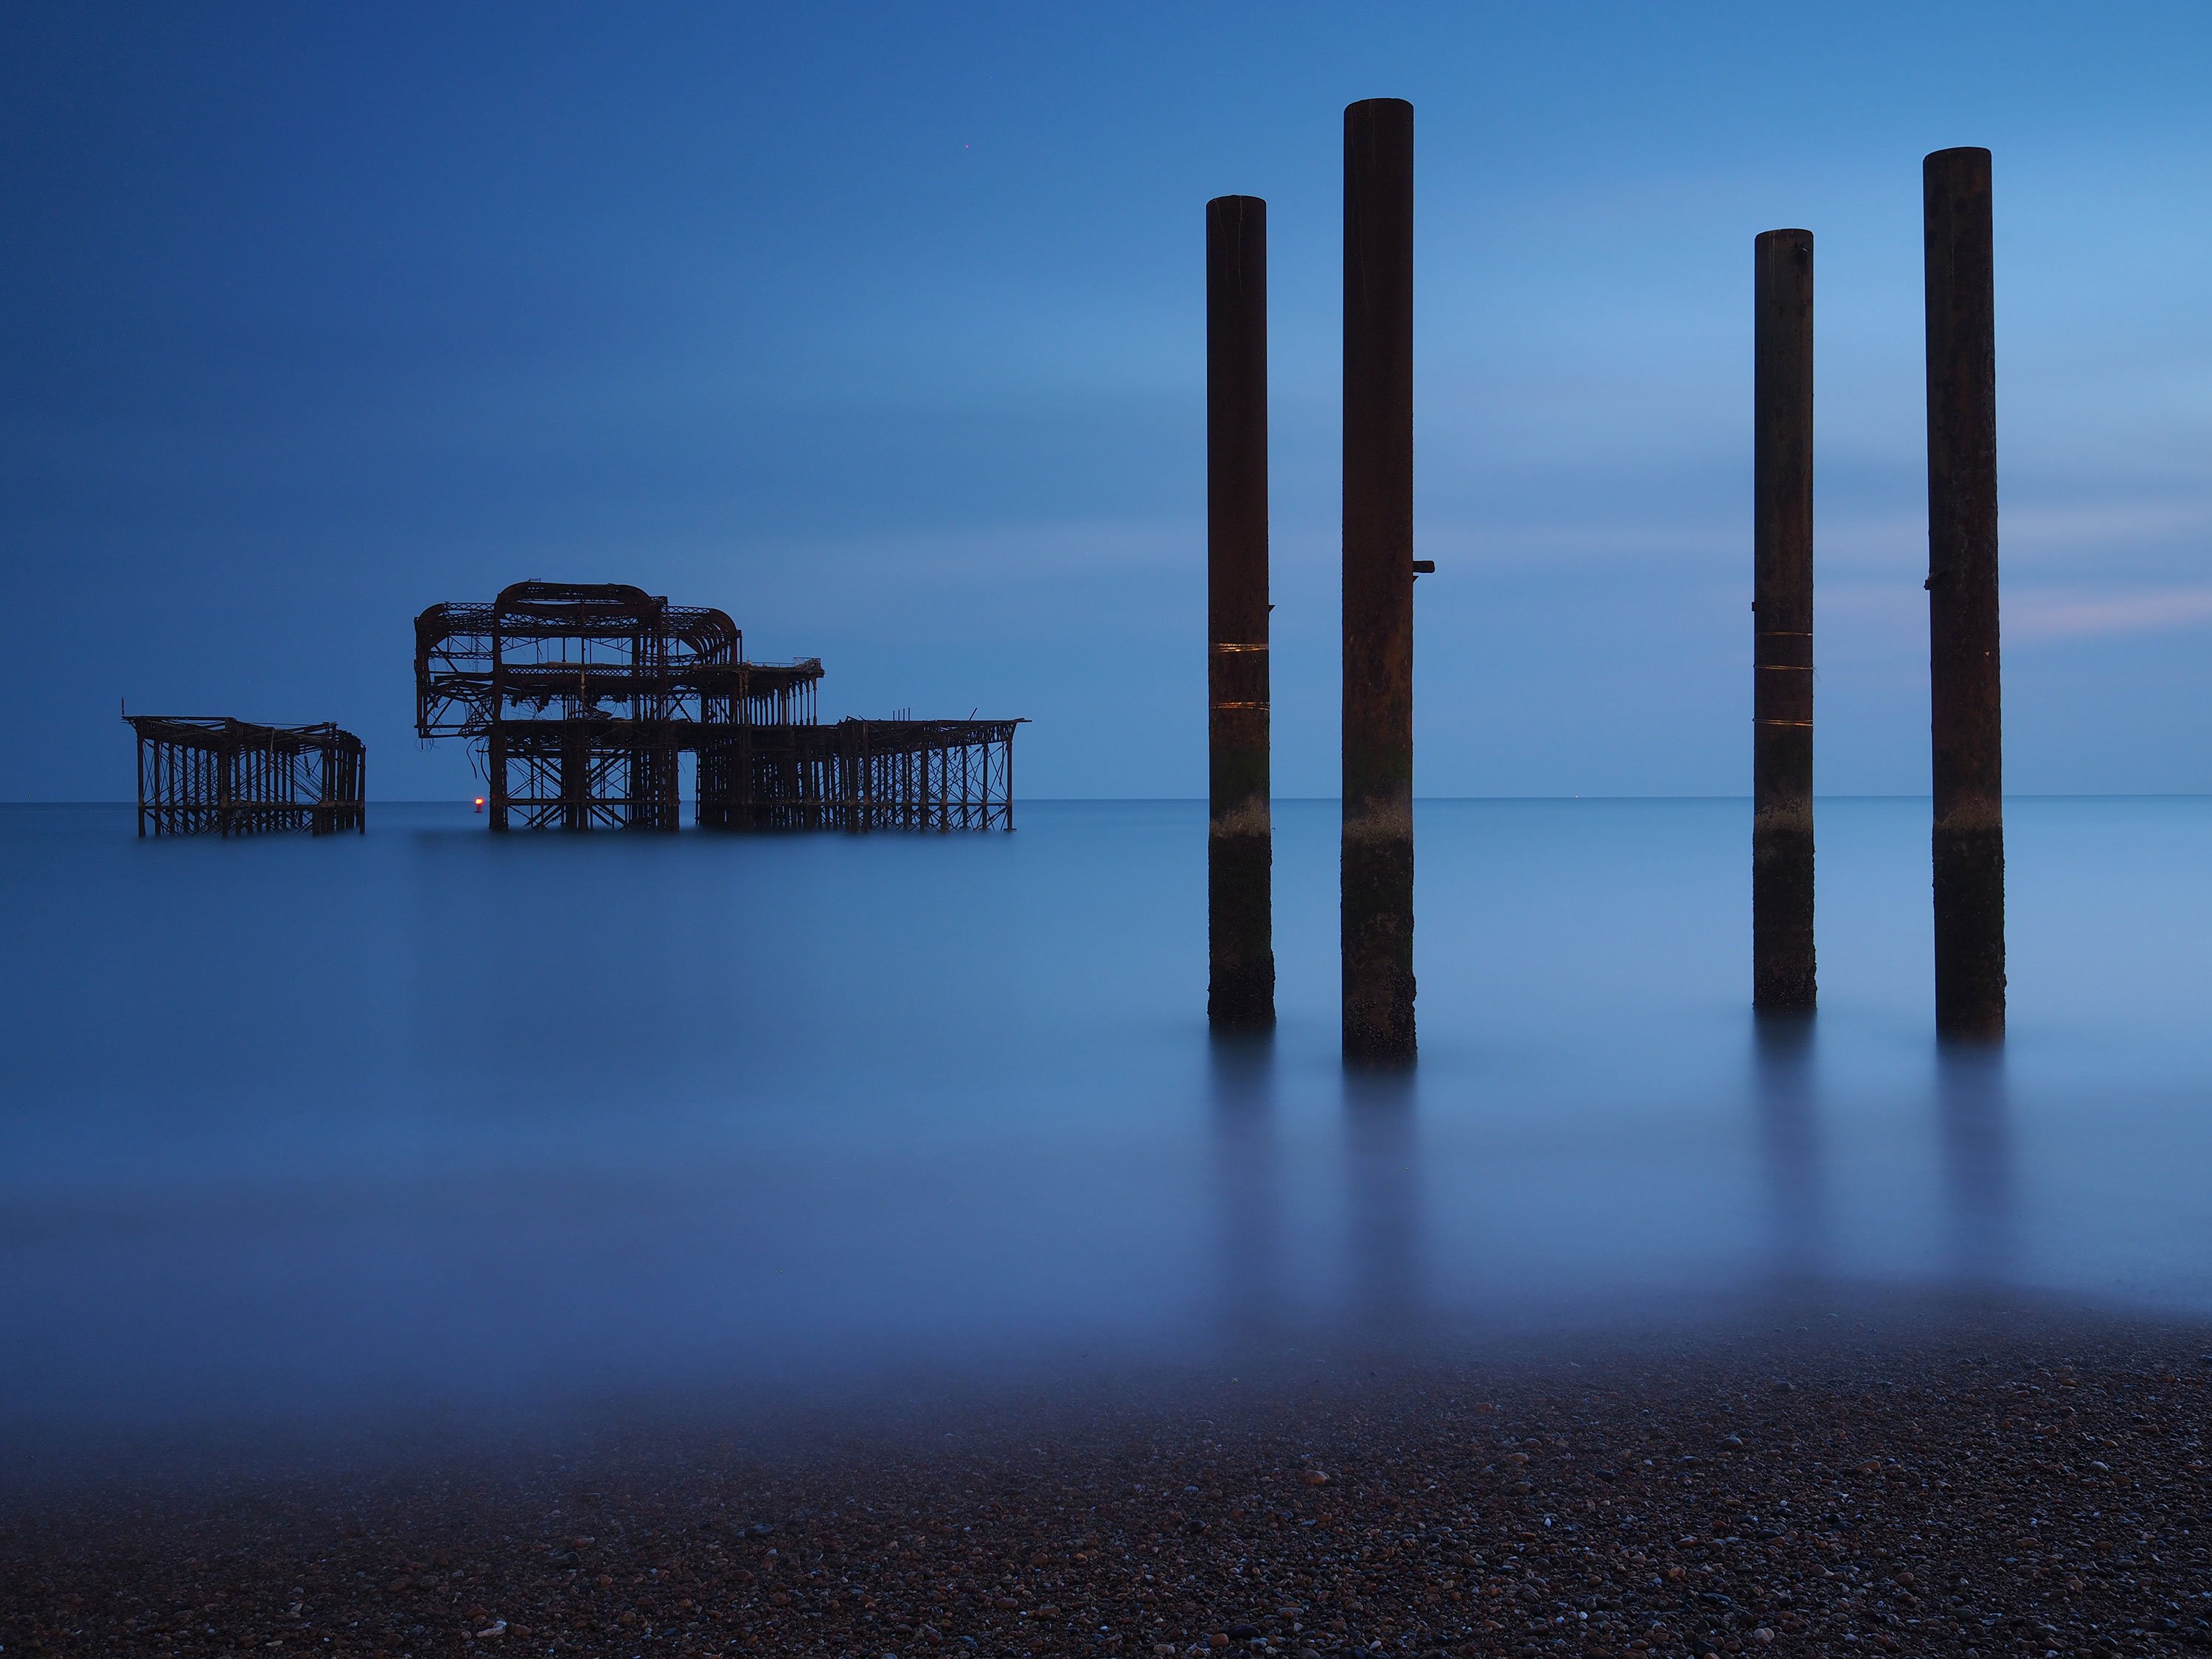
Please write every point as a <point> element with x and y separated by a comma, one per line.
<point>496,774</point>
<point>1782,954</point>
<point>576,776</point>
<point>1376,919</point>
<point>1240,839</point>
<point>1964,696</point>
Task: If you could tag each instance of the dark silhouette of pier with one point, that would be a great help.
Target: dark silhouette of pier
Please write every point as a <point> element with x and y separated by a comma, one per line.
<point>581,697</point>
<point>202,774</point>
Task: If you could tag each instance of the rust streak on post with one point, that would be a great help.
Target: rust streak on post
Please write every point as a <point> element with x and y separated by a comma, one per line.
<point>1781,635</point>
<point>1377,853</point>
<point>1240,840</point>
<point>1966,727</point>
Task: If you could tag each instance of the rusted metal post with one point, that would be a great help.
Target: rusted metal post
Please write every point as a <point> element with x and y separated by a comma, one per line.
<point>225,780</point>
<point>495,732</point>
<point>1782,964</point>
<point>1240,838</point>
<point>1964,697</point>
<point>1376,919</point>
<point>575,775</point>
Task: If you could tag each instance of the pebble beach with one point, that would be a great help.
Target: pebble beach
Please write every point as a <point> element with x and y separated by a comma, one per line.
<point>1947,1477</point>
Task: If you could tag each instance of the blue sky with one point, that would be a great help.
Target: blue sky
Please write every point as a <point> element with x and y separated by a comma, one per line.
<point>882,328</point>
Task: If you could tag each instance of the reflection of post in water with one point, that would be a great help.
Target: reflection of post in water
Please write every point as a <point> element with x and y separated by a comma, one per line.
<point>1247,1187</point>
<point>1975,1108</point>
<point>1383,1199</point>
<point>1789,1144</point>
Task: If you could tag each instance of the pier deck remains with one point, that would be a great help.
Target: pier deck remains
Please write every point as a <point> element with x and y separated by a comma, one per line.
<point>202,774</point>
<point>582,696</point>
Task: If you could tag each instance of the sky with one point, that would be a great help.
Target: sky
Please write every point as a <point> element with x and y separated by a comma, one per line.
<point>882,328</point>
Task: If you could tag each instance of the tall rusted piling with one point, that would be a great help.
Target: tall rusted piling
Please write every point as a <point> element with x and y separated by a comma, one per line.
<point>1376,920</point>
<point>1240,842</point>
<point>1963,698</point>
<point>1782,963</point>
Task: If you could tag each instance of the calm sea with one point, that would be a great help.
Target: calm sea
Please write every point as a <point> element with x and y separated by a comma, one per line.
<point>429,1121</point>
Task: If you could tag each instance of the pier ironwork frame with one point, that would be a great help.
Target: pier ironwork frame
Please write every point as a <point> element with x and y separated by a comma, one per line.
<point>578,700</point>
<point>869,774</point>
<point>211,774</point>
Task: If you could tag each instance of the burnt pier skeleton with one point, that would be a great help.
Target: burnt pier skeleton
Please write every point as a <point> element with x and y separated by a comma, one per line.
<point>211,774</point>
<point>581,696</point>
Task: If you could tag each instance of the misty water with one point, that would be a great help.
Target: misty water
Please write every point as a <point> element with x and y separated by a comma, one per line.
<point>429,1121</point>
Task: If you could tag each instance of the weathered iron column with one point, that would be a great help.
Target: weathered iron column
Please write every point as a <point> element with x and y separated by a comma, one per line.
<point>1377,855</point>
<point>496,737</point>
<point>1781,961</point>
<point>575,775</point>
<point>1963,698</point>
<point>1240,842</point>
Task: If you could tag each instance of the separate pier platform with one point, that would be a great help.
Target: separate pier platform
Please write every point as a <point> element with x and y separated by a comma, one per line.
<point>201,774</point>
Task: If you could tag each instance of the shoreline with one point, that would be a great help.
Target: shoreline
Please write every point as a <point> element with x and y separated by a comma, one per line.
<point>1941,1477</point>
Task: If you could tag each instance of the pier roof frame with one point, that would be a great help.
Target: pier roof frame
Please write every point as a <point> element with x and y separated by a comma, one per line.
<point>474,660</point>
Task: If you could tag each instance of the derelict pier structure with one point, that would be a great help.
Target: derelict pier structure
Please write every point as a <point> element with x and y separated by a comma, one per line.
<point>200,774</point>
<point>581,696</point>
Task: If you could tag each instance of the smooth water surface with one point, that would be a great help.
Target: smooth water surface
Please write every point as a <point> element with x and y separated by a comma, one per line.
<point>429,1121</point>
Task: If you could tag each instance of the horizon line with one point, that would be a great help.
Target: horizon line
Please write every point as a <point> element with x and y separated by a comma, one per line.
<point>1200,800</point>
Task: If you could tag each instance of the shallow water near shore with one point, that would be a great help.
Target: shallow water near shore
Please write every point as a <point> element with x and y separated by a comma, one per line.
<point>426,1122</point>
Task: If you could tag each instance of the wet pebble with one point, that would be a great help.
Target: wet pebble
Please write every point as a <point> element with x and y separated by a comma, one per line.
<point>2027,1492</point>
